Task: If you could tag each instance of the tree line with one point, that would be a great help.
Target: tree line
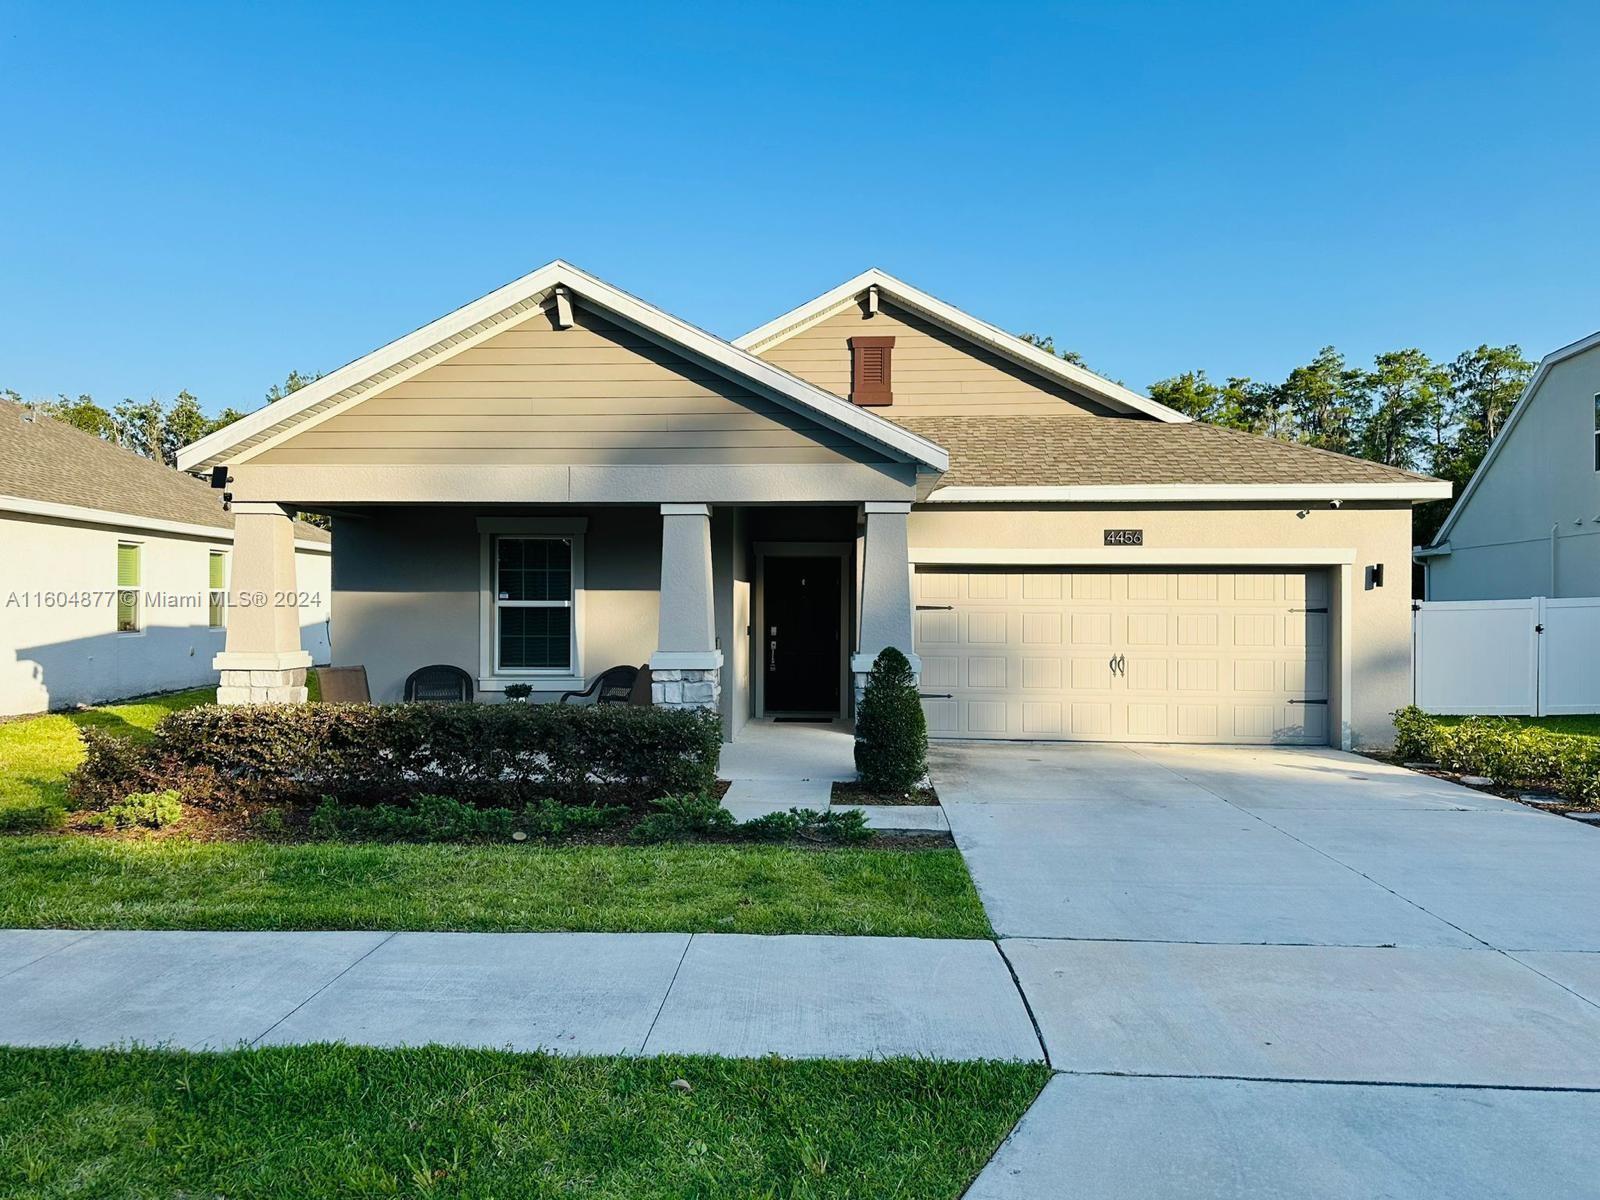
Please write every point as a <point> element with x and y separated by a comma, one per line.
<point>1405,410</point>
<point>151,428</point>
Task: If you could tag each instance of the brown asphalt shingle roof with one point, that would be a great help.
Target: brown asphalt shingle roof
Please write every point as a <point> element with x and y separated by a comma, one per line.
<point>1079,448</point>
<point>50,461</point>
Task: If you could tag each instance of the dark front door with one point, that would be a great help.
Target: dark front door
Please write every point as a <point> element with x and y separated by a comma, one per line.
<point>800,643</point>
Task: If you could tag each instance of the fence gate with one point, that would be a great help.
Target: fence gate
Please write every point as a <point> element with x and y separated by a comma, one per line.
<point>1533,657</point>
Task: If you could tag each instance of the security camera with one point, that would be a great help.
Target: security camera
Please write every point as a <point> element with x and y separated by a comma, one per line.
<point>1335,503</point>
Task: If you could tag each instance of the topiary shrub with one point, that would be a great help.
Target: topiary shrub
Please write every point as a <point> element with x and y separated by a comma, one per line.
<point>891,731</point>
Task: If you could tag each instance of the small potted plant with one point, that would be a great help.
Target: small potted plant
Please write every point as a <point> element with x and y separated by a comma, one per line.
<point>519,691</point>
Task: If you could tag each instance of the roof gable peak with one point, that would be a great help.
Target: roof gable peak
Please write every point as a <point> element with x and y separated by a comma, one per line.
<point>482,317</point>
<point>965,325</point>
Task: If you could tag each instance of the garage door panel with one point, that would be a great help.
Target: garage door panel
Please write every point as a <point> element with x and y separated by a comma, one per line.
<point>1204,656</point>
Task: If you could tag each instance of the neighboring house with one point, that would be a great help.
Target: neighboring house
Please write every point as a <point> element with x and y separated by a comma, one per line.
<point>1525,523</point>
<point>114,570</point>
<point>559,478</point>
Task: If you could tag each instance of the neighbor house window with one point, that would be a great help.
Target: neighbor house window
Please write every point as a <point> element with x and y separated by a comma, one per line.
<point>217,589</point>
<point>533,606</point>
<point>128,571</point>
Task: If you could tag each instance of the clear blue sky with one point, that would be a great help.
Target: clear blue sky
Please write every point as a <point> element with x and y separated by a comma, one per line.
<point>206,196</point>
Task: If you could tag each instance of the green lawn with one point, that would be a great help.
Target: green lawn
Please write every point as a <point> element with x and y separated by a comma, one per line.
<point>324,1121</point>
<point>97,883</point>
<point>1582,723</point>
<point>36,753</point>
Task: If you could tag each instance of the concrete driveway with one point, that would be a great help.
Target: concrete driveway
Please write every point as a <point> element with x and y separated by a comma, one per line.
<point>1271,972</point>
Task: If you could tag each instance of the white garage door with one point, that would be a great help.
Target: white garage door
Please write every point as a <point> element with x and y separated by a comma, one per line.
<point>1154,656</point>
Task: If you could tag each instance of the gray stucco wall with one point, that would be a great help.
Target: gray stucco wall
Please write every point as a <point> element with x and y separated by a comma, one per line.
<point>406,590</point>
<point>1543,477</point>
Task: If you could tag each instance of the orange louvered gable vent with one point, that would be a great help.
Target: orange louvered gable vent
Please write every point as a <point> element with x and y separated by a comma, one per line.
<point>869,371</point>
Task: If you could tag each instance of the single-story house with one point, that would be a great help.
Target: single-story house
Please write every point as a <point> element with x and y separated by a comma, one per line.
<point>116,571</point>
<point>560,477</point>
<point>1522,525</point>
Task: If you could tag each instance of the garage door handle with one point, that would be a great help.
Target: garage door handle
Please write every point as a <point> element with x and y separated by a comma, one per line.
<point>1308,610</point>
<point>936,695</point>
<point>936,608</point>
<point>1308,702</point>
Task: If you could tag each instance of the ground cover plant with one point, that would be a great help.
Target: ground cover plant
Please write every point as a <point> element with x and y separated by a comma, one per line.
<point>303,1123</point>
<point>51,881</point>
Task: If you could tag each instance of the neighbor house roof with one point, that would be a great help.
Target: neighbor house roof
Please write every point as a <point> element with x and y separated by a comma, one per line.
<point>50,468</point>
<point>930,308</point>
<point>517,301</point>
<point>1572,350</point>
<point>1078,455</point>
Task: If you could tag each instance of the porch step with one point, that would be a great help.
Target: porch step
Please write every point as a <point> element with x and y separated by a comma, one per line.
<point>747,799</point>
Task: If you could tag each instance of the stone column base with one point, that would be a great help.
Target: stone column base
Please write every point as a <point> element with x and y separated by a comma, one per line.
<point>861,671</point>
<point>263,687</point>
<point>686,687</point>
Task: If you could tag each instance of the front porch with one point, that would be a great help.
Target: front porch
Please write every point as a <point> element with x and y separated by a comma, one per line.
<point>760,611</point>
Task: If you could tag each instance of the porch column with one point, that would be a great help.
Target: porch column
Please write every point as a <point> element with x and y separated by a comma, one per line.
<point>686,669</point>
<point>885,588</point>
<point>263,662</point>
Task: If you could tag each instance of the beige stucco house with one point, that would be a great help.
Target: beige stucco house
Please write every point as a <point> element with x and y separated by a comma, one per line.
<point>560,477</point>
<point>1522,525</point>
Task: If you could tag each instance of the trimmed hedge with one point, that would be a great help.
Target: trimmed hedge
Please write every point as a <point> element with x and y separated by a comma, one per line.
<point>891,731</point>
<point>1516,755</point>
<point>503,754</point>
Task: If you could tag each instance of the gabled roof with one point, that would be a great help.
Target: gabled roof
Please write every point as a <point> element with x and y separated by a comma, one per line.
<point>1548,361</point>
<point>930,308</point>
<point>49,468</point>
<point>515,301</point>
<point>1076,456</point>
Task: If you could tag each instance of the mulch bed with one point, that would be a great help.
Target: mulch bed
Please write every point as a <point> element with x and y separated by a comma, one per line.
<point>854,793</point>
<point>1554,804</point>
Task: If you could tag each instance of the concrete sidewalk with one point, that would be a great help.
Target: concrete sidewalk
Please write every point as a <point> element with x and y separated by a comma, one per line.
<point>571,993</point>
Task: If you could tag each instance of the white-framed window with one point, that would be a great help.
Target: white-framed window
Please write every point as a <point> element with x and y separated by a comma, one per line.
<point>532,598</point>
<point>130,568</point>
<point>533,604</point>
<point>217,589</point>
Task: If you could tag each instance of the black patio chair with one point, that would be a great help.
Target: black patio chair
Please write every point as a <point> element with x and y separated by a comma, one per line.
<point>439,684</point>
<point>614,685</point>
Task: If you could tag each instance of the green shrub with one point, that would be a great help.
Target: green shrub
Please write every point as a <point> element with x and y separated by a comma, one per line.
<point>490,754</point>
<point>518,691</point>
<point>148,810</point>
<point>443,819</point>
<point>845,826</point>
<point>696,814</point>
<point>28,818</point>
<point>1508,752</point>
<point>891,731</point>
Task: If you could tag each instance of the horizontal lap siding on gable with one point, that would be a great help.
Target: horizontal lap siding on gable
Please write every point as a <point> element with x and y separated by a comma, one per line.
<point>591,394</point>
<point>935,373</point>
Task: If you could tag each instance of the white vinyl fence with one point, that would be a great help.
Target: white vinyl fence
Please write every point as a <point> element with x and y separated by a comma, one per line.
<point>1534,657</point>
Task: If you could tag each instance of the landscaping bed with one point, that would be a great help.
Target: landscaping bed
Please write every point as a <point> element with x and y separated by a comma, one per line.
<point>1515,756</point>
<point>308,1122</point>
<point>856,792</point>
